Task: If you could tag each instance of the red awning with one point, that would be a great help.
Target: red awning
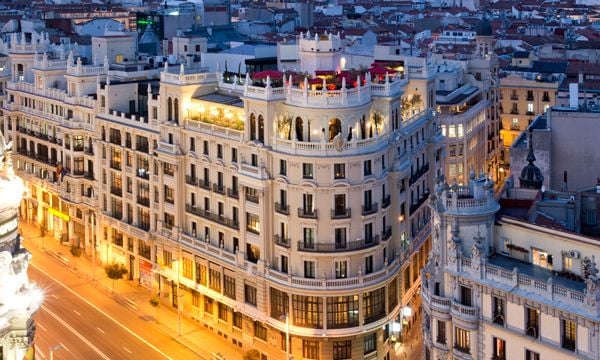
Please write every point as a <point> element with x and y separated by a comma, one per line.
<point>381,71</point>
<point>273,74</point>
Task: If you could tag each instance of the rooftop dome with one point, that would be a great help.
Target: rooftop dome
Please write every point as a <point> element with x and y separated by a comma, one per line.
<point>484,28</point>
<point>531,175</point>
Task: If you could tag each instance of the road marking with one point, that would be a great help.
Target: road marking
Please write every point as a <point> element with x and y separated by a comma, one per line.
<point>39,352</point>
<point>103,313</point>
<point>131,304</point>
<point>42,327</point>
<point>126,349</point>
<point>75,332</point>
<point>76,312</point>
<point>64,347</point>
<point>102,331</point>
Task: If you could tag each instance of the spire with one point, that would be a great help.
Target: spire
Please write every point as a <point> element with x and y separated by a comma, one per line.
<point>530,155</point>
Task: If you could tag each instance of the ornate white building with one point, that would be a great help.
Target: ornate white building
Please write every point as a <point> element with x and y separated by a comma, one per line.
<point>497,287</point>
<point>263,196</point>
<point>19,299</point>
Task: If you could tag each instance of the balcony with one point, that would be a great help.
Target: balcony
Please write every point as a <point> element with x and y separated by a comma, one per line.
<point>414,207</point>
<point>252,198</point>
<point>78,173</point>
<point>282,208</point>
<point>546,99</point>
<point>233,193</point>
<point>78,148</point>
<point>514,97</point>
<point>339,246</point>
<point>341,214</point>
<point>115,140</point>
<point>143,201</point>
<point>568,344</point>
<point>370,209</point>
<point>386,233</point>
<point>515,127</point>
<point>515,111</point>
<point>89,151</point>
<point>116,191</point>
<point>281,241</point>
<point>212,217</point>
<point>529,98</point>
<point>530,113</point>
<point>204,184</point>
<point>307,213</point>
<point>143,174</point>
<point>115,165</point>
<point>386,201</point>
<point>463,311</point>
<point>417,175</point>
<point>88,175</point>
<point>191,180</point>
<point>220,189</point>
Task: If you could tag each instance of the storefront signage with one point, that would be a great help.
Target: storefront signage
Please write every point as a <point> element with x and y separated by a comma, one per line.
<point>59,215</point>
<point>146,273</point>
<point>9,226</point>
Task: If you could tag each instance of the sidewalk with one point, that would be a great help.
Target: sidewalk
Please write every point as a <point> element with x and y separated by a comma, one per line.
<point>412,347</point>
<point>133,297</point>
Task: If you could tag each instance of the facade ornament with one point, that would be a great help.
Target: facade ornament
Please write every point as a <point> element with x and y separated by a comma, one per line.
<point>338,142</point>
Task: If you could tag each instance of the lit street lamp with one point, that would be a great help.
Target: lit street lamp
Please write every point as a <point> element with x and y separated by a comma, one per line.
<point>53,349</point>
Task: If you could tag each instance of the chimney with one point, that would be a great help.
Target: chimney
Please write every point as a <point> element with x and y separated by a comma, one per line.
<point>580,80</point>
<point>574,95</point>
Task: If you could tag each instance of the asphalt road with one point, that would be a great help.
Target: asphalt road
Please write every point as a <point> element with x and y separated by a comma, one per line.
<point>80,322</point>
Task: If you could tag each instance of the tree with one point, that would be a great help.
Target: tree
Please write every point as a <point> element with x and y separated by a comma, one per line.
<point>155,302</point>
<point>115,271</point>
<point>252,355</point>
<point>76,252</point>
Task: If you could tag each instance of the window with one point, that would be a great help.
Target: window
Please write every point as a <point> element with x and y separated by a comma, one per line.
<point>252,223</point>
<point>451,131</point>
<point>340,238</point>
<point>201,277</point>
<point>459,132</point>
<point>461,340</point>
<point>339,171</point>
<point>214,280</point>
<point>367,168</point>
<point>498,310</point>
<point>250,294</point>
<point>342,311</point>
<point>205,147</point>
<point>370,342</point>
<point>223,311</point>
<point>310,349</point>
<point>342,350</point>
<point>530,107</point>
<point>169,195</point>
<point>284,264</point>
<point>237,319</point>
<point>530,355</point>
<point>568,329</point>
<point>234,155</point>
<point>307,171</point>
<point>260,331</point>
<point>307,311</point>
<point>369,264</point>
<point>465,295</point>
<point>341,269</point>
<point>279,303</point>
<point>192,144</point>
<point>219,151</point>
<point>532,322</point>
<point>229,286</point>
<point>254,160</point>
<point>282,167</point>
<point>208,305</point>
<point>309,269</point>
<point>187,268</point>
<point>499,350</point>
<point>441,332</point>
<point>374,305</point>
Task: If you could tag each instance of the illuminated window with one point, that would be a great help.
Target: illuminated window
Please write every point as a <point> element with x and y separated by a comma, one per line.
<point>451,131</point>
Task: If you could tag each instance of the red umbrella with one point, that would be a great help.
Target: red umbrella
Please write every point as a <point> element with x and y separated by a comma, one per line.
<point>273,74</point>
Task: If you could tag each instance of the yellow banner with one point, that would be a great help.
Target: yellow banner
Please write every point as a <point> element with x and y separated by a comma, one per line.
<point>58,214</point>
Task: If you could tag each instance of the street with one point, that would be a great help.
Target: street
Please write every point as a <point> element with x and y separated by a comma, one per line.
<point>81,322</point>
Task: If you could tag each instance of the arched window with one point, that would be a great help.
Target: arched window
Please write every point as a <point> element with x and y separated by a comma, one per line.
<point>252,127</point>
<point>363,127</point>
<point>261,129</point>
<point>169,109</point>
<point>335,127</point>
<point>176,110</point>
<point>299,129</point>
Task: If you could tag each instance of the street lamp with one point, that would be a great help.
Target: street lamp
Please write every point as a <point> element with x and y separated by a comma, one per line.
<point>53,349</point>
<point>93,245</point>
<point>287,334</point>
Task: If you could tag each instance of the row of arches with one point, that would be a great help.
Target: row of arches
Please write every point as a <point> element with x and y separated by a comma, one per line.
<point>334,127</point>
